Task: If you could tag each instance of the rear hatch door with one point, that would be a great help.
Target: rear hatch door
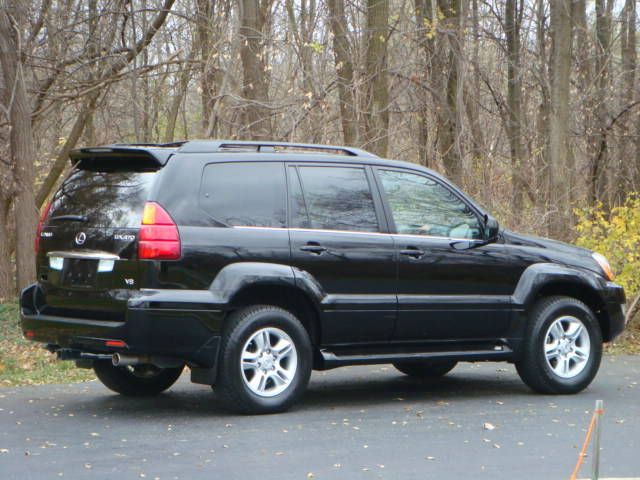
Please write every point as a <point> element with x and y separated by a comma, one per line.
<point>87,258</point>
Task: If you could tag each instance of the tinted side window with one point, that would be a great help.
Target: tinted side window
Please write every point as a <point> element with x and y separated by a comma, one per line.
<point>245,194</point>
<point>421,206</point>
<point>335,198</point>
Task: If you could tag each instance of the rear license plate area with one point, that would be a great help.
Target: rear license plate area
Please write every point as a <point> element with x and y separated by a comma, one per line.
<point>79,272</point>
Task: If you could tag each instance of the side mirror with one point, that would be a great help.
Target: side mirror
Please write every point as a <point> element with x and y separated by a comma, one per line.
<point>491,228</point>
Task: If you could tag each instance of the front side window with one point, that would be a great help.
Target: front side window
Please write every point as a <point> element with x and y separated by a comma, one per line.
<point>421,206</point>
<point>332,198</point>
<point>245,194</point>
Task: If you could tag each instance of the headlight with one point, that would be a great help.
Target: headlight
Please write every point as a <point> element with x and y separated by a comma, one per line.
<point>604,265</point>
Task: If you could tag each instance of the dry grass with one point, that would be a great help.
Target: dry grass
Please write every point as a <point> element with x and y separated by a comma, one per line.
<point>26,363</point>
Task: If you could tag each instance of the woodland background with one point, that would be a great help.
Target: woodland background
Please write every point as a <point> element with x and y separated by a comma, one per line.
<point>531,106</point>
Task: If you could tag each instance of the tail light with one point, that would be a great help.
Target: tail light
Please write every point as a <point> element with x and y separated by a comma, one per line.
<point>43,218</point>
<point>159,237</point>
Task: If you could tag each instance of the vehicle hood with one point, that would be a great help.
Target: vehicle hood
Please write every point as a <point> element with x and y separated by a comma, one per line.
<point>553,251</point>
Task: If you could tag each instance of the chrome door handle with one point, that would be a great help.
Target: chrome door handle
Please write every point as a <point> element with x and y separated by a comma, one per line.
<point>313,248</point>
<point>412,252</point>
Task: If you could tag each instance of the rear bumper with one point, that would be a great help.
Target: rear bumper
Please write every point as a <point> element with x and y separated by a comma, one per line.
<point>168,330</point>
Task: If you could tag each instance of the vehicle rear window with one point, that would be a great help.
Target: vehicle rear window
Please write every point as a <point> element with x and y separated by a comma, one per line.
<point>333,198</point>
<point>245,194</point>
<point>107,199</point>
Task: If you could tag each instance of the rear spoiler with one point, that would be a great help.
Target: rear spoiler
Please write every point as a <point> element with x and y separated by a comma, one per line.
<point>125,157</point>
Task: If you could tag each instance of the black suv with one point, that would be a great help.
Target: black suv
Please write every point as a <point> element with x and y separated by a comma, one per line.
<point>255,262</point>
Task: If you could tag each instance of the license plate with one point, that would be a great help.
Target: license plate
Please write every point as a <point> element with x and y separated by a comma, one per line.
<point>79,272</point>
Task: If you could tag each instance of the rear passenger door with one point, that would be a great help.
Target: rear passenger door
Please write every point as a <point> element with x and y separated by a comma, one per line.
<point>338,235</point>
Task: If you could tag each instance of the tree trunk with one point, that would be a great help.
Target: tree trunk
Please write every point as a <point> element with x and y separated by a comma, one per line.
<point>7,284</point>
<point>178,98</point>
<point>255,88</point>
<point>448,118</point>
<point>22,149</point>
<point>204,36</point>
<point>514,102</point>
<point>344,70</point>
<point>629,55</point>
<point>472,91</point>
<point>377,97</point>
<point>423,10</point>
<point>599,142</point>
<point>543,114</point>
<point>560,176</point>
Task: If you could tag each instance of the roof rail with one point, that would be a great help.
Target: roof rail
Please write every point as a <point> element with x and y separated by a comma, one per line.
<point>217,146</point>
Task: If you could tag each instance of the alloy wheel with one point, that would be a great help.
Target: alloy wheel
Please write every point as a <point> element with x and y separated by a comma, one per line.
<point>567,346</point>
<point>268,362</point>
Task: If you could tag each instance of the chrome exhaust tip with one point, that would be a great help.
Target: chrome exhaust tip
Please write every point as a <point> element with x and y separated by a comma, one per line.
<point>119,360</point>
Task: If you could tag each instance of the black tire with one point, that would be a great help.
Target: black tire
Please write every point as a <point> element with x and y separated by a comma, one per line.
<point>427,368</point>
<point>239,329</point>
<point>138,381</point>
<point>533,367</point>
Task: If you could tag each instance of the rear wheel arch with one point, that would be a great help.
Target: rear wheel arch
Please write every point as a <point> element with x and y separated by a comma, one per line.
<point>287,297</point>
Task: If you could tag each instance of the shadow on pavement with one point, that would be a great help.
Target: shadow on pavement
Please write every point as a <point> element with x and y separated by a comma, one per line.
<point>326,391</point>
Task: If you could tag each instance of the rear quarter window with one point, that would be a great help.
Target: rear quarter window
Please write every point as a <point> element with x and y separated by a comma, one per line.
<point>251,194</point>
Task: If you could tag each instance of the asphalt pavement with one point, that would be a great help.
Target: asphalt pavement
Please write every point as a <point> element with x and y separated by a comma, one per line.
<point>353,423</point>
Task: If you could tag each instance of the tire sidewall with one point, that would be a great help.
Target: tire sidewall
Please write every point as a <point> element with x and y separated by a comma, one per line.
<point>122,381</point>
<point>232,372</point>
<point>546,317</point>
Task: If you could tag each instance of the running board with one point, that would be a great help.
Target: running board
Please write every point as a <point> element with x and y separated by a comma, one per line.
<point>333,359</point>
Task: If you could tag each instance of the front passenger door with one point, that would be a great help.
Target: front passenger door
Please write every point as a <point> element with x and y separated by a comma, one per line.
<point>444,292</point>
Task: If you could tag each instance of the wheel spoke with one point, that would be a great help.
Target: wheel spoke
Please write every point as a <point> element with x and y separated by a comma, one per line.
<point>551,350</point>
<point>581,354</point>
<point>575,330</point>
<point>563,365</point>
<point>283,348</point>
<point>550,347</point>
<point>557,331</point>
<point>262,340</point>
<point>279,377</point>
<point>258,381</point>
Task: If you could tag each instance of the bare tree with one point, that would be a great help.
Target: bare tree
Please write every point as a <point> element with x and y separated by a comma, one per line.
<point>376,108</point>
<point>253,22</point>
<point>560,178</point>
<point>513,21</point>
<point>18,111</point>
<point>345,70</point>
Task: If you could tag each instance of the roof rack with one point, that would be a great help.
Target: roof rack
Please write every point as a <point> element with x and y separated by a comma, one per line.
<point>217,146</point>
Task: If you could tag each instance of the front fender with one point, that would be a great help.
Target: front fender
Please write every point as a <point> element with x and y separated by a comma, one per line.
<point>539,275</point>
